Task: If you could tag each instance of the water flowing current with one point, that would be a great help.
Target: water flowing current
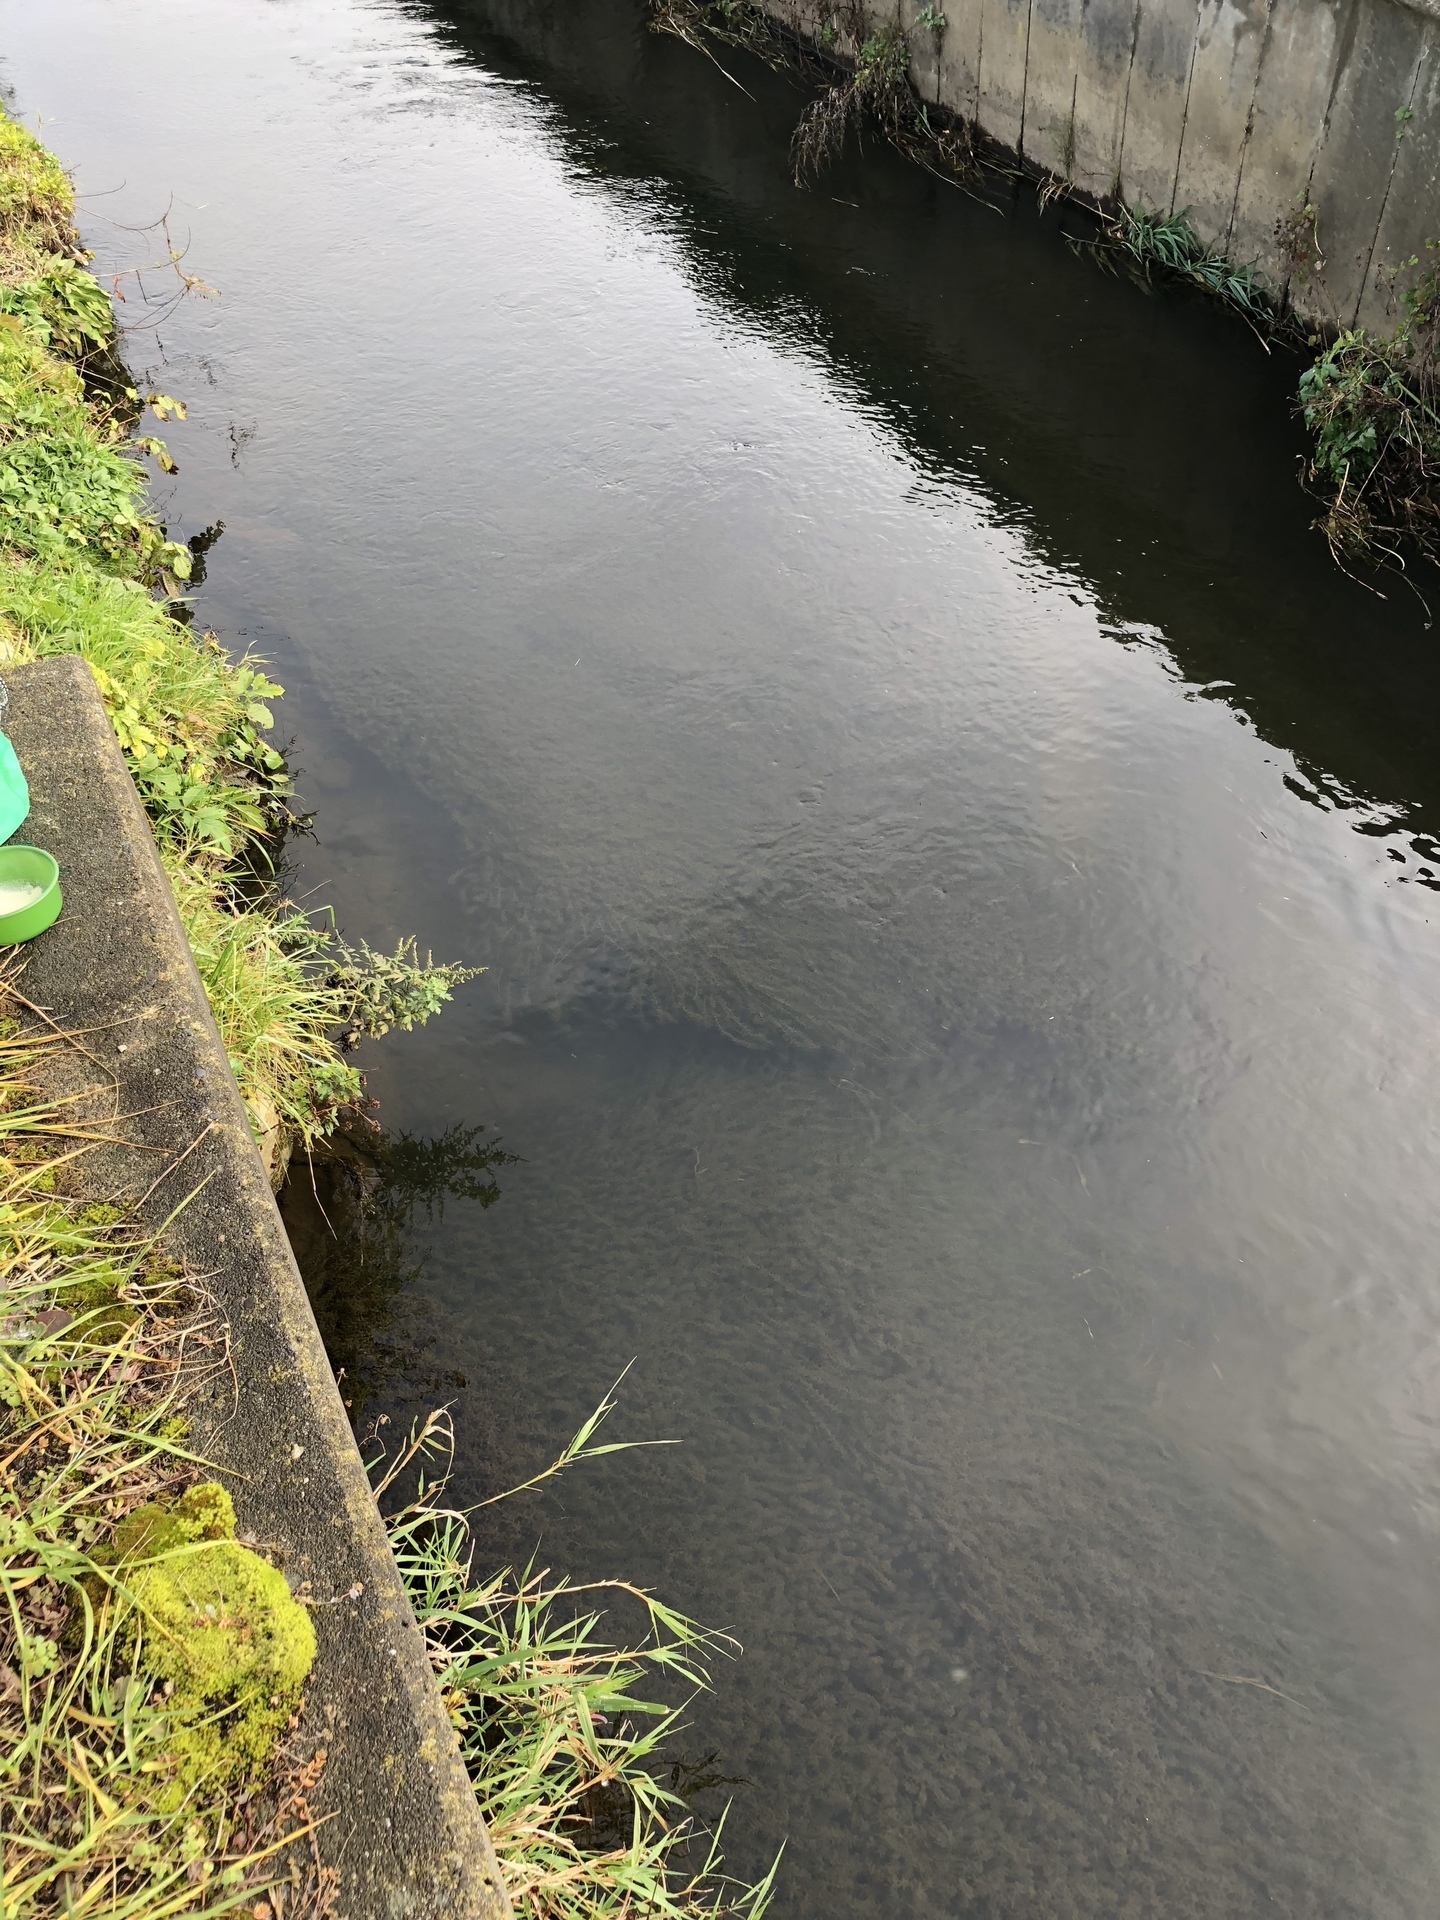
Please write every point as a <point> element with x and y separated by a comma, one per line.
<point>953,860</point>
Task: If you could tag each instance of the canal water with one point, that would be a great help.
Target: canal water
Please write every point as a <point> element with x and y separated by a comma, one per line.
<point>952,858</point>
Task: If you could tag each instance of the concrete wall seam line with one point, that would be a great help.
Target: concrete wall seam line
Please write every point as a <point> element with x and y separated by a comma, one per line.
<point>1185,113</point>
<point>1116,180</point>
<point>1265,43</point>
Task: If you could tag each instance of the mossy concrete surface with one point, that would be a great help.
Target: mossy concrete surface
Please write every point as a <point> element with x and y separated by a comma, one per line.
<point>403,1827</point>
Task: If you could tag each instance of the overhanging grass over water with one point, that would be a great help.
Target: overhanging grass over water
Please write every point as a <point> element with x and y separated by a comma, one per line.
<point>566,1754</point>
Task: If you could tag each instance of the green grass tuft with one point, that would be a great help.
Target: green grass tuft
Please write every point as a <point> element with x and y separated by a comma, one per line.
<point>1169,243</point>
<point>558,1727</point>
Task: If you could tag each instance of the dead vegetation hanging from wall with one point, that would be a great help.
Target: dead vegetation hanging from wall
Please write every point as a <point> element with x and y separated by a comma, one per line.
<point>863,82</point>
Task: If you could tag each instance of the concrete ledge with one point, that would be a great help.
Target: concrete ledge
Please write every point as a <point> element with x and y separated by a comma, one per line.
<point>406,1833</point>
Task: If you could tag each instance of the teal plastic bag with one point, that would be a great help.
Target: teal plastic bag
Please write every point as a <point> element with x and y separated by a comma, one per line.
<point>14,792</point>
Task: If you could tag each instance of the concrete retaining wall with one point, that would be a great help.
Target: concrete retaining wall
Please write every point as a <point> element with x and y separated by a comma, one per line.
<point>401,1821</point>
<point>1239,110</point>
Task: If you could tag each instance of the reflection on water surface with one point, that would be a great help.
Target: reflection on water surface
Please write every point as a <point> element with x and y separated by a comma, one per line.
<point>950,853</point>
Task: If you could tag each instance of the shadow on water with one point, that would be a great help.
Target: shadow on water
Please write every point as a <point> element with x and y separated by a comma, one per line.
<point>1145,440</point>
<point>352,1209</point>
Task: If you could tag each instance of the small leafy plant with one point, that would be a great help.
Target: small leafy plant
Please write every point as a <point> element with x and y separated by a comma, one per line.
<point>1297,241</point>
<point>374,992</point>
<point>1372,405</point>
<point>63,307</point>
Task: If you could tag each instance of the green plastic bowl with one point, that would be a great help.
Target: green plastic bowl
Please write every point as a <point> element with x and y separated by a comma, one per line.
<point>29,867</point>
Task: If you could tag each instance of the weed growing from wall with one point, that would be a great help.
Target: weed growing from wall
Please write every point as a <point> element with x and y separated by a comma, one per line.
<point>1372,404</point>
<point>863,77</point>
<point>1168,244</point>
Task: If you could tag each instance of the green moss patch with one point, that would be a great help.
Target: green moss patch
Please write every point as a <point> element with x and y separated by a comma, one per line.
<point>218,1628</point>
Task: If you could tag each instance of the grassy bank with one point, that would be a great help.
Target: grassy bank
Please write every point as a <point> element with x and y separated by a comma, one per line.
<point>153,1760</point>
<point>150,1664</point>
<point>85,568</point>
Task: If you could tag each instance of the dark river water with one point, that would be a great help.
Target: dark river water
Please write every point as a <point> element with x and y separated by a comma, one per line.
<point>951,855</point>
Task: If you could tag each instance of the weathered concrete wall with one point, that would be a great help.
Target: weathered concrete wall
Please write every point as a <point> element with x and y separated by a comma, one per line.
<point>401,1822</point>
<point>1238,110</point>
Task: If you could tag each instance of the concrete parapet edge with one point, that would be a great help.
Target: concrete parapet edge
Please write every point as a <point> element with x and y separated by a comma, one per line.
<point>404,1829</point>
